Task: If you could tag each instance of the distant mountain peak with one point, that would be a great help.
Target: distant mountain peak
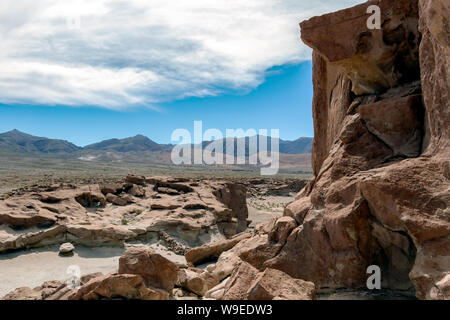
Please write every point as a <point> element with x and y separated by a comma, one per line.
<point>138,143</point>
<point>15,132</point>
<point>17,141</point>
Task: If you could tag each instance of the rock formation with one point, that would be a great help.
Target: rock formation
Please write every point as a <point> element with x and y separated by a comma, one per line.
<point>118,286</point>
<point>66,249</point>
<point>380,195</point>
<point>381,191</point>
<point>155,270</point>
<point>183,213</point>
<point>211,251</point>
<point>269,284</point>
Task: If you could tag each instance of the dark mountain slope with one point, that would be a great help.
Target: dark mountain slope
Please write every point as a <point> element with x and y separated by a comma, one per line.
<point>16,141</point>
<point>138,143</point>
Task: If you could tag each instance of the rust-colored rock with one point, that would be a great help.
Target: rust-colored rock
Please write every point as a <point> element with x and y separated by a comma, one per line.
<point>213,250</point>
<point>373,59</point>
<point>247,283</point>
<point>234,196</point>
<point>196,280</point>
<point>113,213</point>
<point>157,271</point>
<point>119,201</point>
<point>397,122</point>
<point>283,228</point>
<point>49,290</point>
<point>113,286</point>
<point>275,284</point>
<point>434,69</point>
<point>381,191</point>
<point>240,281</point>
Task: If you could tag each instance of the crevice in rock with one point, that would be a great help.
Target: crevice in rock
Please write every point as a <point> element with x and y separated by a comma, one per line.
<point>395,256</point>
<point>376,137</point>
<point>88,200</point>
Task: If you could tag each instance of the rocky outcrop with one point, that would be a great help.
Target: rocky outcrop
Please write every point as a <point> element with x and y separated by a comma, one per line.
<point>246,283</point>
<point>381,190</point>
<point>234,197</point>
<point>155,270</point>
<point>49,290</point>
<point>374,60</point>
<point>274,284</point>
<point>192,214</point>
<point>196,280</point>
<point>118,286</point>
<point>213,250</point>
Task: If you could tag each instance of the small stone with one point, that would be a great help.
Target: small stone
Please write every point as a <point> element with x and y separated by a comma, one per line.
<point>66,248</point>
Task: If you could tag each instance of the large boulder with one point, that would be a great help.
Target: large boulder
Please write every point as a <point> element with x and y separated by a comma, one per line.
<point>398,122</point>
<point>434,58</point>
<point>218,291</point>
<point>113,286</point>
<point>240,282</point>
<point>247,283</point>
<point>190,211</point>
<point>157,271</point>
<point>234,196</point>
<point>196,280</point>
<point>210,251</point>
<point>118,201</point>
<point>275,284</point>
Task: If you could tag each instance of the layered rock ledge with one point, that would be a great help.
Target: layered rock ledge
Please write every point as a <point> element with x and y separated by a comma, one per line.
<point>183,213</point>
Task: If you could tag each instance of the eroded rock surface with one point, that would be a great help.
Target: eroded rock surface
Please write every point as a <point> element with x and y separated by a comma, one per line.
<point>381,191</point>
<point>380,195</point>
<point>118,286</point>
<point>155,270</point>
<point>247,283</point>
<point>186,213</point>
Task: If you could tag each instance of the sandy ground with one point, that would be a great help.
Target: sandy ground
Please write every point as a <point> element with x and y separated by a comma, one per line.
<point>262,209</point>
<point>34,267</point>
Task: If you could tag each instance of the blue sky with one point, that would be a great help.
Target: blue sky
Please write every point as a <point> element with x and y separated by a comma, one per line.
<point>282,102</point>
<point>87,70</point>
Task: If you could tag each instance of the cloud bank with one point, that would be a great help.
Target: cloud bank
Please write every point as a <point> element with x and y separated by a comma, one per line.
<point>119,54</point>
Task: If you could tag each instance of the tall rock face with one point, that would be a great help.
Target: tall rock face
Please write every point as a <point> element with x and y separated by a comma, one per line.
<point>381,153</point>
<point>373,59</point>
<point>435,64</point>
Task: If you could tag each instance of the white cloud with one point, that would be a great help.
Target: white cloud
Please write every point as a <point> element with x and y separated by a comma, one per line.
<point>125,53</point>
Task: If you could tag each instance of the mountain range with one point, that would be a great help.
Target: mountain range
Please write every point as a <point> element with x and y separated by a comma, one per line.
<point>19,142</point>
<point>133,149</point>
